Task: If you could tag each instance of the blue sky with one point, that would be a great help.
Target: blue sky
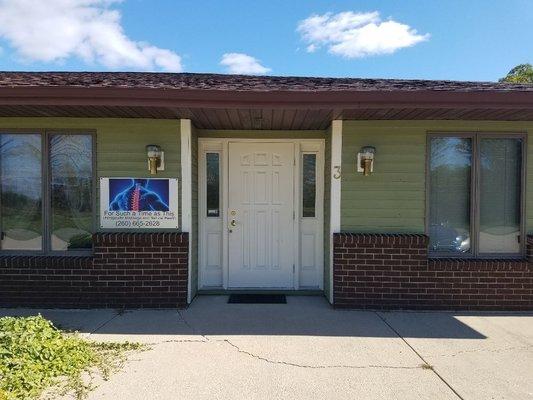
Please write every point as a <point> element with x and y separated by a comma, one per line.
<point>428,39</point>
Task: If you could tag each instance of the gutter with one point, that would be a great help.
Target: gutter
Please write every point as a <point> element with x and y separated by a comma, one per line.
<point>176,98</point>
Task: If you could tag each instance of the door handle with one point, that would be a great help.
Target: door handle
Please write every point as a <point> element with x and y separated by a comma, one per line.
<point>232,224</point>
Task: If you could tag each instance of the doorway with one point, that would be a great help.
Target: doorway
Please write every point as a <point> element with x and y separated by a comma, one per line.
<point>260,206</point>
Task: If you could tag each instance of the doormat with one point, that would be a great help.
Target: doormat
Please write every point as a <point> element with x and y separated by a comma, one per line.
<point>257,299</point>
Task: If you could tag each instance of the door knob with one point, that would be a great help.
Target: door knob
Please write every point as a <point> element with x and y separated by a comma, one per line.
<point>233,223</point>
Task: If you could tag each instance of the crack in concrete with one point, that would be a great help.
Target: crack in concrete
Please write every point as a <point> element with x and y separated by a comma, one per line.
<point>277,362</point>
<point>519,338</point>
<point>426,364</point>
<point>117,314</point>
<point>291,364</point>
<point>481,350</point>
<point>176,341</point>
<point>206,339</point>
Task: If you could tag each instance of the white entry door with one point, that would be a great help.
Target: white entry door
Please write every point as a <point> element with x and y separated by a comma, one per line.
<point>260,215</point>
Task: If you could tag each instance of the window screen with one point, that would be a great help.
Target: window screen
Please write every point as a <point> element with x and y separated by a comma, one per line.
<point>500,189</point>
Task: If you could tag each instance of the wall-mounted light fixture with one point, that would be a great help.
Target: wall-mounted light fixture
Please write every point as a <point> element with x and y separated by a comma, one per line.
<point>365,160</point>
<point>156,158</point>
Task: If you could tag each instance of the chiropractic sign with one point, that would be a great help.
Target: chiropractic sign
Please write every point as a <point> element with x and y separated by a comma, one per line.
<point>138,203</point>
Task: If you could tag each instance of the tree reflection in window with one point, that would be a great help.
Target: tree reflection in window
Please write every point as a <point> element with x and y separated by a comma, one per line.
<point>71,191</point>
<point>449,194</point>
<point>21,192</point>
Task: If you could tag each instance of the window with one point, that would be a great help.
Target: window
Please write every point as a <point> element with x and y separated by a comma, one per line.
<point>475,195</point>
<point>500,195</point>
<point>21,191</point>
<point>308,185</point>
<point>71,173</point>
<point>213,184</point>
<point>46,191</point>
<point>449,191</point>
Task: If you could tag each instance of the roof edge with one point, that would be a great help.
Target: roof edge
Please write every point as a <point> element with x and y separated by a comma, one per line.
<point>145,97</point>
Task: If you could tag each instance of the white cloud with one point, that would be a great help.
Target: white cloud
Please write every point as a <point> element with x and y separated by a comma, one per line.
<point>239,63</point>
<point>354,35</point>
<point>55,30</point>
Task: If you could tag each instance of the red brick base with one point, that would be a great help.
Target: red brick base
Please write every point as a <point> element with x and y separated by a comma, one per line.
<point>394,272</point>
<point>126,270</point>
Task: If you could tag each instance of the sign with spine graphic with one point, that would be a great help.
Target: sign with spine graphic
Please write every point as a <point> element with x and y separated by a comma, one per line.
<point>138,203</point>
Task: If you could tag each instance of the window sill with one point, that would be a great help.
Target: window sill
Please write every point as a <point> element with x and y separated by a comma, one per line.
<point>519,258</point>
<point>39,262</point>
<point>88,254</point>
<point>481,264</point>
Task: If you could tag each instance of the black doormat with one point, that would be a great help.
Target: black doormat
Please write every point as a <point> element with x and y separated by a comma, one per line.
<point>257,299</point>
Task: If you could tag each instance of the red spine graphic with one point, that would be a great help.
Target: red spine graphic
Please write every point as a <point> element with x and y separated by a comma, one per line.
<point>135,198</point>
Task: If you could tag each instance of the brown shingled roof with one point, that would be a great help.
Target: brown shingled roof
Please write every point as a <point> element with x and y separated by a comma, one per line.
<point>219,82</point>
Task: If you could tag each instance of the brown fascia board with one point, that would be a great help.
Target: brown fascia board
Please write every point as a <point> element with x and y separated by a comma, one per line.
<point>174,98</point>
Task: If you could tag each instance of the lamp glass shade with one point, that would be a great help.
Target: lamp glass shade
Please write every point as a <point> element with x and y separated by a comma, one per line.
<point>153,151</point>
<point>368,151</point>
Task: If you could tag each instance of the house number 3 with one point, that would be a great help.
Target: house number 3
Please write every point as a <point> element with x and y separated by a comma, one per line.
<point>336,172</point>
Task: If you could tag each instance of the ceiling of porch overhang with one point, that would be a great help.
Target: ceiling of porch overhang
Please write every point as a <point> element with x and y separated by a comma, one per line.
<point>267,118</point>
<point>242,102</point>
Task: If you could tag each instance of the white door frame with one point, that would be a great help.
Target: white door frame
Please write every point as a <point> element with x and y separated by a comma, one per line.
<point>221,145</point>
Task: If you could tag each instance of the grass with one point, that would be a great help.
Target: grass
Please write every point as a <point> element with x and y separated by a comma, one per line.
<point>36,358</point>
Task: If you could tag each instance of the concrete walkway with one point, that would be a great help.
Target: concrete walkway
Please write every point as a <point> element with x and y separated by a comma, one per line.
<point>307,350</point>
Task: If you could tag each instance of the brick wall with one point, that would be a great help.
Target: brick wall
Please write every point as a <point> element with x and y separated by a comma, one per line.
<point>126,270</point>
<point>394,272</point>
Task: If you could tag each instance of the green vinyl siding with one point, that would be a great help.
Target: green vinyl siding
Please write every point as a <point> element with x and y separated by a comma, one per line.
<point>392,199</point>
<point>120,143</point>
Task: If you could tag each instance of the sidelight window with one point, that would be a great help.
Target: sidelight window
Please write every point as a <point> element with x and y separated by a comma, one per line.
<point>309,185</point>
<point>213,184</point>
